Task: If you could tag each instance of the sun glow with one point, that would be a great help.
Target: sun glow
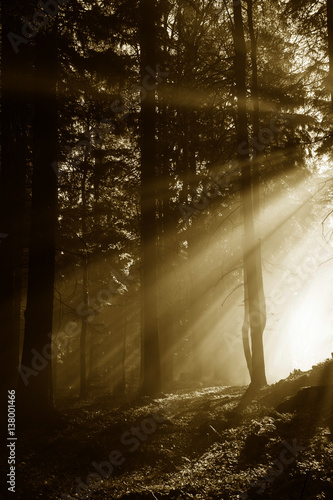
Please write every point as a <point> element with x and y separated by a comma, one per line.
<point>310,322</point>
<point>298,285</point>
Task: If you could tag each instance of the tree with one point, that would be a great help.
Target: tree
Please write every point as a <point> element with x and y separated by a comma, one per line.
<point>330,45</point>
<point>16,70</point>
<point>252,266</point>
<point>256,163</point>
<point>35,383</point>
<point>85,262</point>
<point>151,367</point>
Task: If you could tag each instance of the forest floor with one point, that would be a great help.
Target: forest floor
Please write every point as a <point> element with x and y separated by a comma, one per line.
<point>203,443</point>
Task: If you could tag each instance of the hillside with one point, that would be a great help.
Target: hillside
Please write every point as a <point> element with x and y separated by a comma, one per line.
<point>208,443</point>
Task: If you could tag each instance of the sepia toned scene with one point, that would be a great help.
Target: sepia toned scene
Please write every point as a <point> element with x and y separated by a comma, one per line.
<point>166,249</point>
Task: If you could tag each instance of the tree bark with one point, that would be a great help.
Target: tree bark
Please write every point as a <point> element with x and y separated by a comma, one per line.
<point>252,270</point>
<point>151,366</point>
<point>16,70</point>
<point>166,279</point>
<point>256,162</point>
<point>84,323</point>
<point>84,332</point>
<point>330,45</point>
<point>34,393</point>
<point>246,328</point>
<point>119,347</point>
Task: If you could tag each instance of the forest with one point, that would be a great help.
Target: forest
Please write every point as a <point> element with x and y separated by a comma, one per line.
<point>166,249</point>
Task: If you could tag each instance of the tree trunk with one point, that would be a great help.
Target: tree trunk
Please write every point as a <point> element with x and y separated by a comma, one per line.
<point>151,367</point>
<point>196,302</point>
<point>252,270</point>
<point>91,355</point>
<point>119,347</point>
<point>166,280</point>
<point>16,70</point>
<point>84,328</point>
<point>34,392</point>
<point>256,162</point>
<point>123,358</point>
<point>246,328</point>
<point>330,45</point>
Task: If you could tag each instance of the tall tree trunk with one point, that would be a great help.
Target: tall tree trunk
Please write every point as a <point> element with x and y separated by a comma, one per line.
<point>195,299</point>
<point>252,270</point>
<point>167,285</point>
<point>246,327</point>
<point>84,332</point>
<point>84,323</point>
<point>165,278</point>
<point>16,72</point>
<point>119,346</point>
<point>330,45</point>
<point>123,357</point>
<point>167,224</point>
<point>166,282</point>
<point>256,162</point>
<point>34,392</point>
<point>151,366</point>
